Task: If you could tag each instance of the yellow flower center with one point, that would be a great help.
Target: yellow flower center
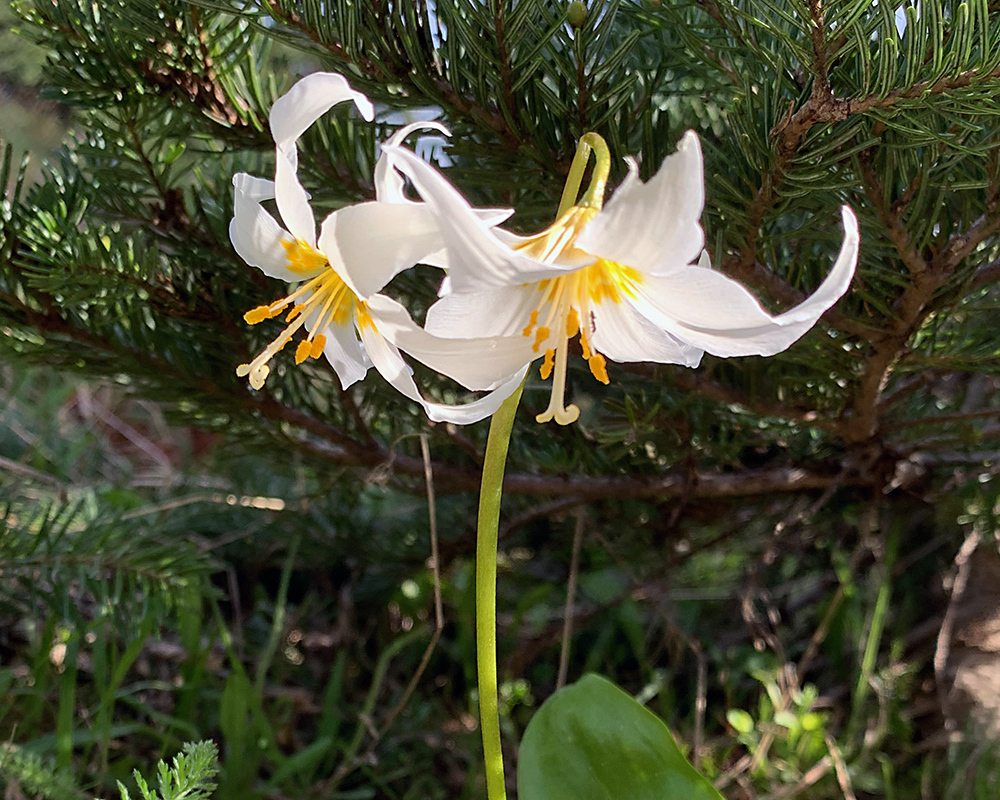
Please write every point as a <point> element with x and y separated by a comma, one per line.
<point>564,308</point>
<point>302,258</point>
<point>324,298</point>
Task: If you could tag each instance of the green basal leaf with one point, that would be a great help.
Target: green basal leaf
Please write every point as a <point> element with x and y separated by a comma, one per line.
<point>592,741</point>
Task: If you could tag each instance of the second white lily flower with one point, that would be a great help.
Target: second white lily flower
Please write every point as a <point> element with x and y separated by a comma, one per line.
<point>631,279</point>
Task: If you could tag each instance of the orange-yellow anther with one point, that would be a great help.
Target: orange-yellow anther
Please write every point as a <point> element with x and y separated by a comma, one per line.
<point>540,336</point>
<point>598,368</point>
<point>587,353</point>
<point>259,314</point>
<point>323,300</point>
<point>547,364</point>
<point>532,322</point>
<point>317,346</point>
<point>572,323</point>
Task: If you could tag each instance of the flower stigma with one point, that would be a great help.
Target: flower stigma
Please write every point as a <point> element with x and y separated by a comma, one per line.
<point>324,299</point>
<point>564,309</point>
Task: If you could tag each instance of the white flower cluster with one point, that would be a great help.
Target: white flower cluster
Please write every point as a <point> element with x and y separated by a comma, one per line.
<point>631,280</point>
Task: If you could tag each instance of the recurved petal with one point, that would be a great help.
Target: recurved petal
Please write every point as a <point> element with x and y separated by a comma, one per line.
<point>479,364</point>
<point>708,310</point>
<point>307,101</point>
<point>477,259</point>
<point>255,234</point>
<point>622,334</point>
<point>291,198</point>
<point>388,182</point>
<point>654,226</point>
<point>387,360</point>
<point>258,189</point>
<point>369,243</point>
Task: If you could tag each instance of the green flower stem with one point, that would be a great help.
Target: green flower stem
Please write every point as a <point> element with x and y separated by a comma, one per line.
<point>594,197</point>
<point>490,493</point>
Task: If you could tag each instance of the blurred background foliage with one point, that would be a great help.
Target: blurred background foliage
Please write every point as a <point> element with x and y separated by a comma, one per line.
<point>792,560</point>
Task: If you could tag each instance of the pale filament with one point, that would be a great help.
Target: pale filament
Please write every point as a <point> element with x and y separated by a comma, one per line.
<point>558,410</point>
<point>566,301</point>
<point>327,292</point>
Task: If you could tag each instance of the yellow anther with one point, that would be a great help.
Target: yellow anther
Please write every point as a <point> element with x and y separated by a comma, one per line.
<point>587,353</point>
<point>532,322</point>
<point>540,336</point>
<point>302,351</point>
<point>598,368</point>
<point>547,364</point>
<point>259,314</point>
<point>317,346</point>
<point>295,311</point>
<point>572,323</point>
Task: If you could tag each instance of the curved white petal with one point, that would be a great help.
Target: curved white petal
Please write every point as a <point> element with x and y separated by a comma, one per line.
<point>345,353</point>
<point>489,216</point>
<point>479,363</point>
<point>653,227</point>
<point>477,259</point>
<point>622,334</point>
<point>369,243</point>
<point>292,200</point>
<point>707,309</point>
<point>307,101</point>
<point>388,182</point>
<point>258,189</point>
<point>255,234</point>
<point>492,312</point>
<point>388,361</point>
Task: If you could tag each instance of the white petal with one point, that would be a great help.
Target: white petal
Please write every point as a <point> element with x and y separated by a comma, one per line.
<point>477,259</point>
<point>653,226</point>
<point>369,243</point>
<point>489,216</point>
<point>388,182</point>
<point>494,312</point>
<point>256,235</point>
<point>389,188</point>
<point>387,360</point>
<point>479,363</point>
<point>345,353</point>
<point>292,200</point>
<point>622,334</point>
<point>307,101</point>
<point>707,309</point>
<point>258,189</point>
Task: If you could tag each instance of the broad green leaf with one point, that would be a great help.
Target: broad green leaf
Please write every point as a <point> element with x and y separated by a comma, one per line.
<point>592,741</point>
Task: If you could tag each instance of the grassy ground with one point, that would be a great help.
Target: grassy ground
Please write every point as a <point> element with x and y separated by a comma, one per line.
<point>189,594</point>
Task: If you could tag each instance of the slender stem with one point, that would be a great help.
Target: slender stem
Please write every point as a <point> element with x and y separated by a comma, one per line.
<point>595,192</point>
<point>490,493</point>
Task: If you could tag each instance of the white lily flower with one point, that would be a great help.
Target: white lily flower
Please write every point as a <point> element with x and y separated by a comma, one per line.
<point>631,279</point>
<point>359,249</point>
